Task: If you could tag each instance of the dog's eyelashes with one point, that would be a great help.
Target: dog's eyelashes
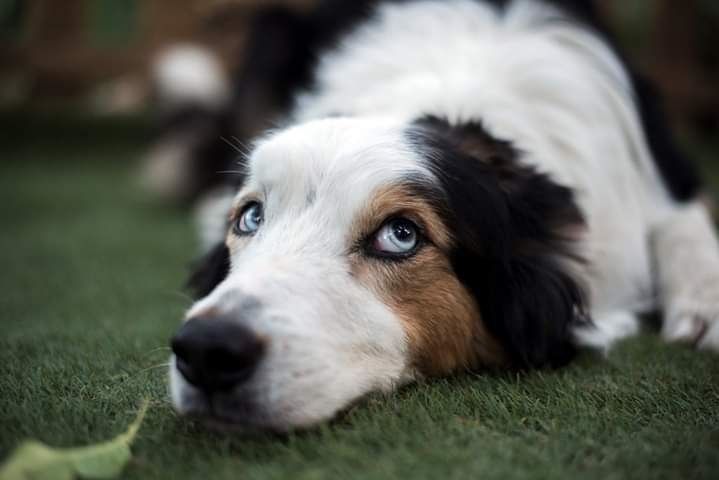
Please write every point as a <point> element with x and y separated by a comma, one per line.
<point>396,238</point>
<point>249,221</point>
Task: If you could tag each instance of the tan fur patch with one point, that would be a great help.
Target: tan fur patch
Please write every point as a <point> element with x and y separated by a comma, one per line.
<point>400,202</point>
<point>441,318</point>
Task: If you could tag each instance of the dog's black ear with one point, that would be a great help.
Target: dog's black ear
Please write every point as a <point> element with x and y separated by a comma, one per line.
<point>209,271</point>
<point>515,233</point>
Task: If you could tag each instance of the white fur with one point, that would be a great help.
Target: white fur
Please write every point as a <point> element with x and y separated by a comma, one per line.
<point>607,328</point>
<point>688,249</point>
<point>330,339</point>
<point>551,87</point>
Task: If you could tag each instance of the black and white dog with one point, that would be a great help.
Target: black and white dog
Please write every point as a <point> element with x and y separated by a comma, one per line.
<point>459,184</point>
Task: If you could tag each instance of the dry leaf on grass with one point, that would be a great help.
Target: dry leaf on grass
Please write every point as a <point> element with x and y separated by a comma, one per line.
<point>33,460</point>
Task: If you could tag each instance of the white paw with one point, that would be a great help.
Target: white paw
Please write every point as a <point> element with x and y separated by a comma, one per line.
<point>710,339</point>
<point>683,328</point>
<point>606,329</point>
<point>696,325</point>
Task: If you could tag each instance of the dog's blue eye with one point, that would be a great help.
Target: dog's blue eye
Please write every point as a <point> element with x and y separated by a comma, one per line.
<point>396,237</point>
<point>249,220</point>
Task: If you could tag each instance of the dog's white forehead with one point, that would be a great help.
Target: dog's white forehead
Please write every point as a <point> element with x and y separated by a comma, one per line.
<point>337,160</point>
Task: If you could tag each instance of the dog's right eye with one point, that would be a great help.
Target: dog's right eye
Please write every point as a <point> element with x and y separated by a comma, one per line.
<point>397,238</point>
<point>249,220</point>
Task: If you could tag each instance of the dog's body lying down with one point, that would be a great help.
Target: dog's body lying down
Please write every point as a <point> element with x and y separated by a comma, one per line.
<point>469,184</point>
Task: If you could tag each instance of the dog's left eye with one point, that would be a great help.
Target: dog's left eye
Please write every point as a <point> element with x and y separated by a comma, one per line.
<point>249,220</point>
<point>396,237</point>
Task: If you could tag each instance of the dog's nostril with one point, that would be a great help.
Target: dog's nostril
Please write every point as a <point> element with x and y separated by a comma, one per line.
<point>216,354</point>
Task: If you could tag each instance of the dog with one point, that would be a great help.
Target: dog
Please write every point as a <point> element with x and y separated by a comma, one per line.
<point>455,185</point>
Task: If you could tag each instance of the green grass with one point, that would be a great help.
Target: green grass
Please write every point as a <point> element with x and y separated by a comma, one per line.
<point>90,291</point>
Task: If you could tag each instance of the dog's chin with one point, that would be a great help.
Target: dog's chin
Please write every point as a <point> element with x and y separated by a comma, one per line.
<point>227,416</point>
<point>236,413</point>
<point>223,411</point>
<point>230,425</point>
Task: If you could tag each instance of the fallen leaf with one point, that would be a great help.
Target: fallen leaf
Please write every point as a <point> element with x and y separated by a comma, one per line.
<point>33,460</point>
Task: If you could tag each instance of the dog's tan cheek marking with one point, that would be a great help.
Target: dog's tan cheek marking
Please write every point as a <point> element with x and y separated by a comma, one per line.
<point>441,318</point>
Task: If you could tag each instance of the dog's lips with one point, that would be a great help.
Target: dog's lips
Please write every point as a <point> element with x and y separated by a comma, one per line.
<point>224,412</point>
<point>221,424</point>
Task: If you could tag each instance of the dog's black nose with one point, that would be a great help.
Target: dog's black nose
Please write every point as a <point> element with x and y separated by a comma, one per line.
<point>216,354</point>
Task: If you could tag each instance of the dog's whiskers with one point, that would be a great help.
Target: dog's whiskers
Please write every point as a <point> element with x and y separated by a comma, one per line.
<point>237,148</point>
<point>157,349</point>
<point>180,294</point>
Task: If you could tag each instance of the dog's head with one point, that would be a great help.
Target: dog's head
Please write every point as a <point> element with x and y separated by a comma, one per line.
<point>364,253</point>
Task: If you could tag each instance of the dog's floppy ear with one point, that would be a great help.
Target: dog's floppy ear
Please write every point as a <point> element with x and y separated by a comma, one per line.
<point>515,233</point>
<point>209,271</point>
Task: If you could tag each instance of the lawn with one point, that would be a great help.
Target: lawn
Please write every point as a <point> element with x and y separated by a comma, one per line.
<point>91,290</point>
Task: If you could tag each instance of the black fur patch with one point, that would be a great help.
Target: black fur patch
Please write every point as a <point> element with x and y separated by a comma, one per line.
<point>678,172</point>
<point>514,230</point>
<point>209,271</point>
<point>283,49</point>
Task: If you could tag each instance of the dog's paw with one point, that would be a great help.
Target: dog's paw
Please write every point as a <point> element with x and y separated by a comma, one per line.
<point>710,338</point>
<point>698,326</point>
<point>684,328</point>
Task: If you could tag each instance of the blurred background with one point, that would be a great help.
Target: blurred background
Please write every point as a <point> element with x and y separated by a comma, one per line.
<point>80,80</point>
<point>94,56</point>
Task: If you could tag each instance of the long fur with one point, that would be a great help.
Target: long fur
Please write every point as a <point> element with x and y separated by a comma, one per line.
<point>552,206</point>
<point>516,231</point>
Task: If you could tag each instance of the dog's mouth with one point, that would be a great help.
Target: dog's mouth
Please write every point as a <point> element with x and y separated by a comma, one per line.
<point>223,424</point>
<point>225,412</point>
